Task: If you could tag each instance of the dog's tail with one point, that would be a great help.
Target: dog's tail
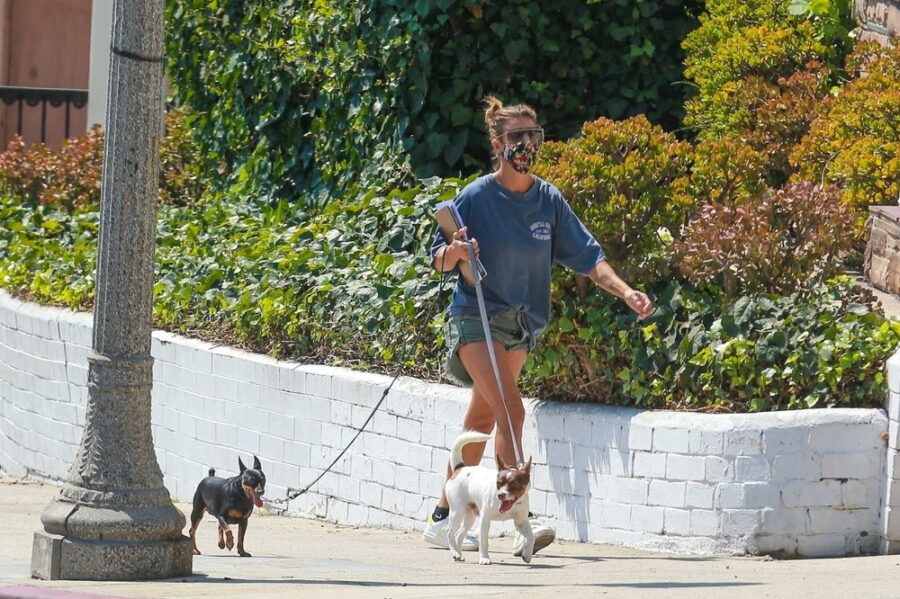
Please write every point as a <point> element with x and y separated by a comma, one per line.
<point>212,471</point>
<point>462,440</point>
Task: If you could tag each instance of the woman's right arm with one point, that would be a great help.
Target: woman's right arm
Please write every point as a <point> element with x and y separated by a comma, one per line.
<point>449,256</point>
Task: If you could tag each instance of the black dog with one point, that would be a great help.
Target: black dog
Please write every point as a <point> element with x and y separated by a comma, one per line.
<point>231,501</point>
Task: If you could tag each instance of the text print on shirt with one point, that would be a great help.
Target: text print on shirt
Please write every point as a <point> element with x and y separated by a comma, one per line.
<point>540,230</point>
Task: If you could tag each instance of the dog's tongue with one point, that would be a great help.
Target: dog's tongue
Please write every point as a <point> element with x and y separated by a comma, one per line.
<point>505,506</point>
<point>256,499</point>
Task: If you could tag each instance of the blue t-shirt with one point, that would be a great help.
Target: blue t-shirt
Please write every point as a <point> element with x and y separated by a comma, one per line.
<point>520,235</point>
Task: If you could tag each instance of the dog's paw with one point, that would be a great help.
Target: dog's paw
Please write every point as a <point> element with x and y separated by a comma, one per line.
<point>229,541</point>
<point>484,561</point>
<point>221,544</point>
<point>244,554</point>
<point>195,551</point>
<point>457,556</point>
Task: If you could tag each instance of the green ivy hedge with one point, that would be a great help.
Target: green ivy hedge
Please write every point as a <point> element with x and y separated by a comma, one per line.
<point>294,100</point>
<point>353,286</point>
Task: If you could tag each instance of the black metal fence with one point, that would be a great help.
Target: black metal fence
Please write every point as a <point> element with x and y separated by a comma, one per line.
<point>34,96</point>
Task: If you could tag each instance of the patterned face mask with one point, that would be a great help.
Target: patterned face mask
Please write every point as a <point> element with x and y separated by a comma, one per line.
<point>520,156</point>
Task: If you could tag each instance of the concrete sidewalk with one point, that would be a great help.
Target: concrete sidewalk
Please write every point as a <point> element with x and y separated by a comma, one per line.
<point>294,557</point>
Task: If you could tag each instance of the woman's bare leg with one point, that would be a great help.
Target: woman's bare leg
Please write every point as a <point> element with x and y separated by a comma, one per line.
<point>482,412</point>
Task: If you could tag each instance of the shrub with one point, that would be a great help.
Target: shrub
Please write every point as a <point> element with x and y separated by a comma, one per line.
<point>821,348</point>
<point>618,177</point>
<point>67,178</point>
<point>723,171</point>
<point>774,116</point>
<point>763,39</point>
<point>292,100</point>
<point>793,237</point>
<point>854,141</point>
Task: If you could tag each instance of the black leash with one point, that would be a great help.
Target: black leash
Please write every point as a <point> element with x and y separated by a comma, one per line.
<point>293,494</point>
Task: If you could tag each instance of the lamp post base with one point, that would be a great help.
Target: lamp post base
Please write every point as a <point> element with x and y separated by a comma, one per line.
<point>102,543</point>
<point>55,557</point>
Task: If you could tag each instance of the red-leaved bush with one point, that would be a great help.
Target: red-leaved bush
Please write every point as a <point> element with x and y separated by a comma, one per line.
<point>67,178</point>
<point>775,243</point>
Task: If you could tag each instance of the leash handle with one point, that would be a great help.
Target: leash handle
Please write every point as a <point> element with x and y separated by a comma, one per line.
<point>490,346</point>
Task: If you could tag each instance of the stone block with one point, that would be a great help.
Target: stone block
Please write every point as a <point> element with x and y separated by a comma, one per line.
<point>751,468</point>
<point>823,545</point>
<point>348,488</point>
<point>607,434</point>
<point>893,372</point>
<point>718,469</point>
<point>318,381</point>
<point>796,466</point>
<point>409,429</point>
<point>800,494</point>
<point>638,438</point>
<point>856,465</point>
<point>385,424</point>
<point>664,493</point>
<point>361,467</point>
<point>632,491</point>
<point>705,523</point>
<point>731,496</point>
<point>672,440</point>
<point>647,518</point>
<point>618,463</point>
<point>340,413</point>
<point>407,479</point>
<point>271,447</point>
<point>844,521</point>
<point>893,463</point>
<point>860,494</point>
<point>779,520</point>
<point>320,408</point>
<point>686,467</point>
<point>774,544</point>
<point>649,464</point>
<point>384,472</point>
<point>743,442</point>
<point>740,522</point>
<point>833,437</point>
<point>699,495</point>
<point>761,495</point>
<point>677,522</point>
<point>703,443</point>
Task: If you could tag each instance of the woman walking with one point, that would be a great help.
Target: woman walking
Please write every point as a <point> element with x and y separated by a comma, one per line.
<point>519,225</point>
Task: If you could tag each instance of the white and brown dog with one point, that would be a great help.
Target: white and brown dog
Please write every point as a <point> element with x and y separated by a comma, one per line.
<point>474,491</point>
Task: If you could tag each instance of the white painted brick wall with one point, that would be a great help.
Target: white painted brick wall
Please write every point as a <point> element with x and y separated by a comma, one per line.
<point>816,482</point>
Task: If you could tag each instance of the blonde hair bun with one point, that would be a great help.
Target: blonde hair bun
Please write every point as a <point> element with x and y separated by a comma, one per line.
<point>496,115</point>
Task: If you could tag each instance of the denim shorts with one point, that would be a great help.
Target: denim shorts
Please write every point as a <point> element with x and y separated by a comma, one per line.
<point>507,328</point>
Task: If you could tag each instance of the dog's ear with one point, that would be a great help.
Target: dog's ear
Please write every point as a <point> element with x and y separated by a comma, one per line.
<point>241,465</point>
<point>500,464</point>
<point>528,466</point>
<point>256,464</point>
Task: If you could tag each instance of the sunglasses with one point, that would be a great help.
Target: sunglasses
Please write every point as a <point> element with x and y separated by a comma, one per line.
<point>534,135</point>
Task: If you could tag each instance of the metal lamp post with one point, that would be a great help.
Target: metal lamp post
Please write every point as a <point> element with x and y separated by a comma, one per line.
<point>114,519</point>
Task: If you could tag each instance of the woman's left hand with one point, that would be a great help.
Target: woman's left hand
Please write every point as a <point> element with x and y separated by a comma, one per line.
<point>640,303</point>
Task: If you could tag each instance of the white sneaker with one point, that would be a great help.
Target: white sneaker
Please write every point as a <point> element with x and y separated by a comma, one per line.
<point>436,534</point>
<point>543,536</point>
